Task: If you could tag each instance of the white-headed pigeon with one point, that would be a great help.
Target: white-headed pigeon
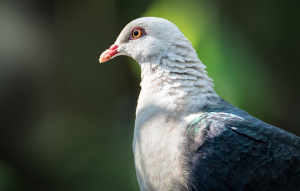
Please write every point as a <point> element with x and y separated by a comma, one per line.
<point>186,137</point>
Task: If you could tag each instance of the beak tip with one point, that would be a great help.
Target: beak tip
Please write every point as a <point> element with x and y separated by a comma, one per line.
<point>109,53</point>
<point>103,57</point>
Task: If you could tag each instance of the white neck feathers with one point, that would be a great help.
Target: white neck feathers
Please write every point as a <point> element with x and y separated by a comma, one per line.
<point>177,79</point>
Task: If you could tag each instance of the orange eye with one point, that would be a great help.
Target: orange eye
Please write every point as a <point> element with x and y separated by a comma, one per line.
<point>136,33</point>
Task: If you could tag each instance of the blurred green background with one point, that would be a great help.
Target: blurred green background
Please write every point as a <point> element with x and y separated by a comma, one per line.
<point>67,121</point>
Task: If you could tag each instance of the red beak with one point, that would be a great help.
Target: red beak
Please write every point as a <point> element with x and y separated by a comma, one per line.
<point>109,53</point>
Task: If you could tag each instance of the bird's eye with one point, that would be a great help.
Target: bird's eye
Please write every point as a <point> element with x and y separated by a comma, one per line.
<point>137,33</point>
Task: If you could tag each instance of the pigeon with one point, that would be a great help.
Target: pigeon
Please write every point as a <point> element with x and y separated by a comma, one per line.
<point>186,137</point>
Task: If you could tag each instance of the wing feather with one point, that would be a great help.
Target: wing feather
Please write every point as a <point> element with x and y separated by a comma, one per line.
<point>235,151</point>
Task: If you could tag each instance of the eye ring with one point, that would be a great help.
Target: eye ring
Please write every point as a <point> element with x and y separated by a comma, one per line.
<point>137,33</point>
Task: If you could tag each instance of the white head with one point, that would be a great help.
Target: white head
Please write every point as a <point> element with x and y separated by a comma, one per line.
<point>145,39</point>
<point>171,70</point>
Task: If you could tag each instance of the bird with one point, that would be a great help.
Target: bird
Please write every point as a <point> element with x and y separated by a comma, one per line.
<point>186,137</point>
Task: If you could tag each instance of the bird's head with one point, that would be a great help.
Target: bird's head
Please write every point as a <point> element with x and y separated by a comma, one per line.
<point>144,39</point>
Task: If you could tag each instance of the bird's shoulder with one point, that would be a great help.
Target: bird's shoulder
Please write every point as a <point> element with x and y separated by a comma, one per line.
<point>231,124</point>
<point>231,150</point>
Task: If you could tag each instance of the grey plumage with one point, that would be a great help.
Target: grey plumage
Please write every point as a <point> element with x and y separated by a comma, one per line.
<point>240,152</point>
<point>186,136</point>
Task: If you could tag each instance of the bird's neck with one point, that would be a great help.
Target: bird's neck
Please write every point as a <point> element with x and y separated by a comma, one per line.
<point>177,82</point>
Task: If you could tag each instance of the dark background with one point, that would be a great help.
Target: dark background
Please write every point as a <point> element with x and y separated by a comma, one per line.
<point>67,121</point>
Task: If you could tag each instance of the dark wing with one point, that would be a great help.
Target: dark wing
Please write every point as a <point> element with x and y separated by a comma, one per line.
<point>239,152</point>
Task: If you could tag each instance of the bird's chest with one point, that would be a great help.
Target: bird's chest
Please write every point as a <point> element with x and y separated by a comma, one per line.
<point>157,150</point>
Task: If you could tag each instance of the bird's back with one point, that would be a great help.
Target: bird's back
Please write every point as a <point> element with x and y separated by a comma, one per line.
<point>231,150</point>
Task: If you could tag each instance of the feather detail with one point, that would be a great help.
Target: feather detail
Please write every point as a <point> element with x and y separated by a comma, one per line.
<point>186,137</point>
